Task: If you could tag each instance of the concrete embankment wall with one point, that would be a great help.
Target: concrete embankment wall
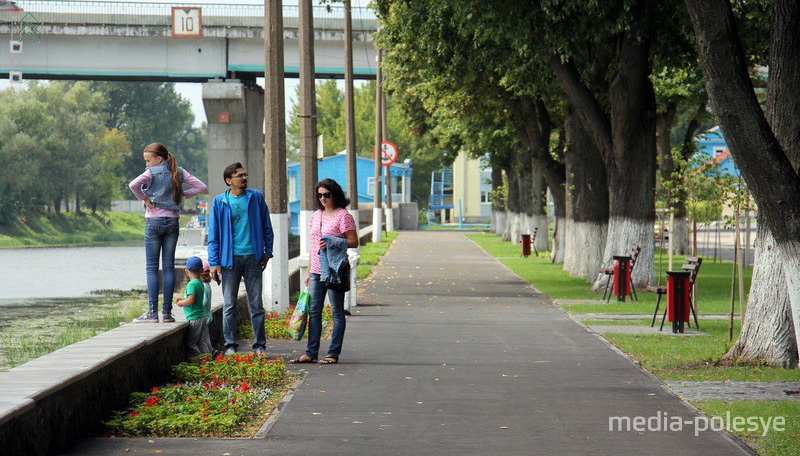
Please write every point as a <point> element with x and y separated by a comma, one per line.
<point>62,396</point>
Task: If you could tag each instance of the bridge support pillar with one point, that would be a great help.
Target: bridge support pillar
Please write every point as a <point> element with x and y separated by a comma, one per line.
<point>235,113</point>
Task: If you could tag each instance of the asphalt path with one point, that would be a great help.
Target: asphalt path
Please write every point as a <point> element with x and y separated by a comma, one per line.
<point>449,352</point>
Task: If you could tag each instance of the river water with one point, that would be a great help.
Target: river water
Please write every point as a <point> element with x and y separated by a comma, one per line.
<point>40,281</point>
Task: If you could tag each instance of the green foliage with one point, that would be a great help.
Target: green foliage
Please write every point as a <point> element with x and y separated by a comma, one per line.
<point>150,112</point>
<point>82,141</point>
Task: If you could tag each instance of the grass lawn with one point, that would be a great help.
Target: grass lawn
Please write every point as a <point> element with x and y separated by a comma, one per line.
<point>775,442</point>
<point>670,358</point>
<point>66,229</point>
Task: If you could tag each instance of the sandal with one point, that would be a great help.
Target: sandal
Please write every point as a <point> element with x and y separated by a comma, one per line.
<point>300,360</point>
<point>329,360</point>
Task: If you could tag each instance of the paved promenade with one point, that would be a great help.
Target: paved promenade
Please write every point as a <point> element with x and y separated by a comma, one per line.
<point>451,353</point>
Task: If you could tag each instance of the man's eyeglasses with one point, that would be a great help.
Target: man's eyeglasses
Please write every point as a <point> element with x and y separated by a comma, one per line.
<point>240,176</point>
<point>324,195</point>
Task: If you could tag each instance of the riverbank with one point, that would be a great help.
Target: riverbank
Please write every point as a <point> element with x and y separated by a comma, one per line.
<point>37,330</point>
<point>53,230</point>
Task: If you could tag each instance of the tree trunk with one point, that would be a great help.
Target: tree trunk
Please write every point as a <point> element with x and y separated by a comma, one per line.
<point>626,141</point>
<point>501,224</point>
<point>497,182</point>
<point>680,231</point>
<point>768,334</point>
<point>559,235</point>
<point>765,150</point>
<point>587,204</point>
<point>539,209</point>
<point>57,205</point>
<point>78,203</point>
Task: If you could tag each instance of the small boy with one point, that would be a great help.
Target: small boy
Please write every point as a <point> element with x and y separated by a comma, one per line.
<point>205,277</point>
<point>193,309</point>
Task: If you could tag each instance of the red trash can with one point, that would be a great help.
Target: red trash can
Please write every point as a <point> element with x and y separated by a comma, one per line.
<point>678,299</point>
<point>622,277</point>
<point>526,245</point>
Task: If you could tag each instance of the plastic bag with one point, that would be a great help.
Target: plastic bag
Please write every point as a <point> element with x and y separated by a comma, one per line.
<point>299,320</point>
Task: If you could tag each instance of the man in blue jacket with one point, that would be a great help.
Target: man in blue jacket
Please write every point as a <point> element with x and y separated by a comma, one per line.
<point>240,244</point>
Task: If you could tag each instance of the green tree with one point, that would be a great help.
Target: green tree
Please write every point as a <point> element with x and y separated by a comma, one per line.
<point>150,112</point>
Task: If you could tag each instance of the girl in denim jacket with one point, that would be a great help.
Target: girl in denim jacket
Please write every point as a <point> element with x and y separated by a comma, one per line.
<point>162,187</point>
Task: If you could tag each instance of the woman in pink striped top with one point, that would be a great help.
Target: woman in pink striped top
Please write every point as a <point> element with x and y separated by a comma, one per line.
<point>162,187</point>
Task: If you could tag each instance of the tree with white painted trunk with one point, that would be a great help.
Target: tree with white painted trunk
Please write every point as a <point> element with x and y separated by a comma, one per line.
<point>766,149</point>
<point>587,203</point>
<point>625,138</point>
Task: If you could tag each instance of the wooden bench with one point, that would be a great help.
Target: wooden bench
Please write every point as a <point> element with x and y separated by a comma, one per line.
<point>692,266</point>
<point>633,252</point>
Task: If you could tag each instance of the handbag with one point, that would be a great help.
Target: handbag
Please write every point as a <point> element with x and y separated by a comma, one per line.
<point>344,279</point>
<point>343,273</point>
<point>299,320</point>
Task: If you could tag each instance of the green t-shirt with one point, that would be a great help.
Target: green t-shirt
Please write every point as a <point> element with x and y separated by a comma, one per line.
<point>196,311</point>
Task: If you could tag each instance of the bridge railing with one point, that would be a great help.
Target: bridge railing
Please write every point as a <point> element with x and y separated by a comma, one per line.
<point>159,14</point>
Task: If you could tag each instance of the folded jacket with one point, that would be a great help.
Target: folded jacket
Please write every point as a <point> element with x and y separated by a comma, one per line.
<point>331,258</point>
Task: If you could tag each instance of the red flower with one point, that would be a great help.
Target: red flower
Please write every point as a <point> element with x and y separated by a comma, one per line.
<point>244,387</point>
<point>153,400</point>
<point>233,401</point>
<point>189,399</point>
<point>155,389</point>
<point>134,413</point>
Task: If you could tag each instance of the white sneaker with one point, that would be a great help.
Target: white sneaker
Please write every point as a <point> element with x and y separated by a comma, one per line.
<point>230,351</point>
<point>259,351</point>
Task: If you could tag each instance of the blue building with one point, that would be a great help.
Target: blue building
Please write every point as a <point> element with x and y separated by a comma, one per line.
<point>335,167</point>
<point>712,144</point>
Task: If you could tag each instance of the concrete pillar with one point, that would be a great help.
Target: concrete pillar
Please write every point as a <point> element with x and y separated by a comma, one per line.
<point>406,189</point>
<point>235,113</point>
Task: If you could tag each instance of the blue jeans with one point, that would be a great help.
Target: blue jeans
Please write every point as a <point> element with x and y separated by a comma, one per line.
<point>160,238</point>
<point>248,268</point>
<point>316,290</point>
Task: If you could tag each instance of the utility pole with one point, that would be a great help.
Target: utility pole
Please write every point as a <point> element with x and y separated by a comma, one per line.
<point>276,286</point>
<point>384,133</point>
<point>308,123</point>
<point>352,177</point>
<point>377,219</point>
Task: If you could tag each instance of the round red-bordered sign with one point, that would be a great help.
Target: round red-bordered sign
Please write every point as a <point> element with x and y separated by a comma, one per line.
<point>389,153</point>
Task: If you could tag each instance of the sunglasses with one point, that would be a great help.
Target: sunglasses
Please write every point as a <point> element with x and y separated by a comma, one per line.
<point>324,195</point>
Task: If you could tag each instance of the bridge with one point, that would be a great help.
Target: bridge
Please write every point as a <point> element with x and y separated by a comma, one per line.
<point>223,49</point>
<point>137,41</point>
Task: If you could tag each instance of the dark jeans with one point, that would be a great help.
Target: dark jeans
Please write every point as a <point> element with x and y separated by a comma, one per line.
<point>248,268</point>
<point>316,290</point>
<point>160,238</point>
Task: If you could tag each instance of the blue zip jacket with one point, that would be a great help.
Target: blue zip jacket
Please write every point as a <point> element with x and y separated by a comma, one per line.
<point>220,233</point>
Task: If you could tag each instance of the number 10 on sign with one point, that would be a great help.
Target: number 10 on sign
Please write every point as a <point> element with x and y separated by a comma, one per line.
<point>388,153</point>
<point>187,22</point>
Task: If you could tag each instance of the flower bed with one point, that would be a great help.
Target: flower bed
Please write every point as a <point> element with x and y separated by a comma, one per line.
<point>277,325</point>
<point>222,397</point>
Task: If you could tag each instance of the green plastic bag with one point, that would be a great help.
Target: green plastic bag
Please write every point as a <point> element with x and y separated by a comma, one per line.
<point>299,320</point>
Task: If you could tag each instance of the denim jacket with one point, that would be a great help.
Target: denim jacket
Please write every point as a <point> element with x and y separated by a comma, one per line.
<point>160,189</point>
<point>331,259</point>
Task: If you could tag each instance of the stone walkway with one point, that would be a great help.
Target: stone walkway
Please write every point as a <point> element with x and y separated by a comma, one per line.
<point>451,353</point>
<point>737,391</point>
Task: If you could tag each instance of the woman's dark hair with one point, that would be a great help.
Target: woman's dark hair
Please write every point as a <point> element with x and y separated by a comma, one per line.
<point>339,200</point>
<point>160,150</point>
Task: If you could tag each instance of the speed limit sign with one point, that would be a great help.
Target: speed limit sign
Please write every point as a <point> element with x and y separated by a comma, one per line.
<point>388,153</point>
